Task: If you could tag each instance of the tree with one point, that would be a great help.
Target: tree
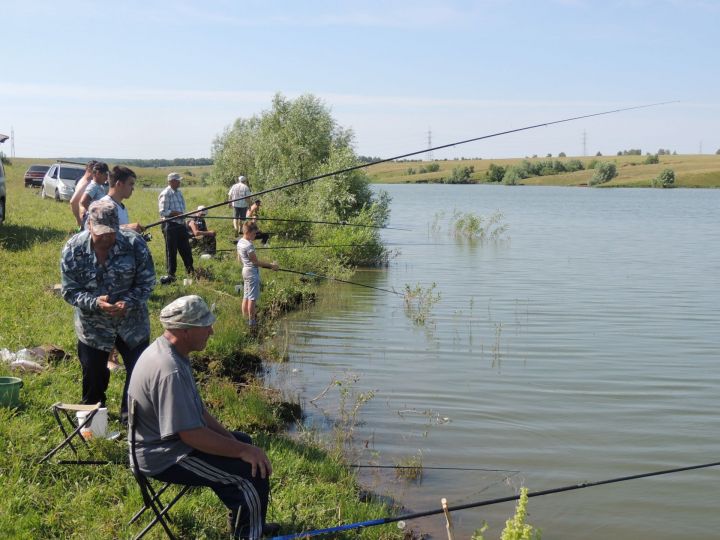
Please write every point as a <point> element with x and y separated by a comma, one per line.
<point>562,154</point>
<point>599,154</point>
<point>666,179</point>
<point>513,175</point>
<point>604,172</point>
<point>652,159</point>
<point>293,140</point>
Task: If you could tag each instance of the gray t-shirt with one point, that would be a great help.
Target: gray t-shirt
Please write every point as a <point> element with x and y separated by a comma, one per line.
<point>166,402</point>
<point>244,249</point>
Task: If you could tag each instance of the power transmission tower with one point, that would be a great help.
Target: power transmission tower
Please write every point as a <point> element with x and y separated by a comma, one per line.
<point>584,139</point>
<point>12,142</point>
<point>429,154</point>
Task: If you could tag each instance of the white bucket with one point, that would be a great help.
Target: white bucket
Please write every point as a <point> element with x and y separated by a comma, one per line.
<point>97,426</point>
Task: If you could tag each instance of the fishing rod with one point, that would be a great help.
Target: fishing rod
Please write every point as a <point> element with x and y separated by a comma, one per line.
<point>309,246</point>
<point>409,154</point>
<point>386,520</point>
<point>313,275</point>
<point>332,246</point>
<point>312,221</point>
<point>424,468</point>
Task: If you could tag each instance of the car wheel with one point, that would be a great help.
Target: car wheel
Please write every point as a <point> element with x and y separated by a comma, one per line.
<point>57,194</point>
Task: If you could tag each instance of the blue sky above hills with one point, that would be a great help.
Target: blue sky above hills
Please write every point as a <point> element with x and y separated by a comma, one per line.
<point>162,79</point>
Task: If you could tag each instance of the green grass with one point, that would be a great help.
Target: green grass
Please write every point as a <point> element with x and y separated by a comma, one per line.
<point>311,486</point>
<point>690,170</point>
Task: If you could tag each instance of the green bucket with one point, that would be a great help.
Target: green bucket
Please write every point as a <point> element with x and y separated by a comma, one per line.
<point>10,391</point>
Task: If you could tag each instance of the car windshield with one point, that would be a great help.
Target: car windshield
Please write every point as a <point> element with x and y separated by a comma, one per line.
<point>67,173</point>
<point>39,168</point>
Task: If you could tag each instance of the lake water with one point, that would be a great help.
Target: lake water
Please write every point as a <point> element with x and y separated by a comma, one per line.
<point>582,346</point>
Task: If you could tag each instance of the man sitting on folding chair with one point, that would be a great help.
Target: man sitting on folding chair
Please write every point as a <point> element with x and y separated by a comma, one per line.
<point>178,440</point>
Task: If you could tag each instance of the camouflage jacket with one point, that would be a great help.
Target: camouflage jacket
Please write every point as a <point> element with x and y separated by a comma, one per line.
<point>128,274</point>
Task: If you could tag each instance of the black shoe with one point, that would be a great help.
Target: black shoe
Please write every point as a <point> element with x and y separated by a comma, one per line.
<point>271,529</point>
<point>167,279</point>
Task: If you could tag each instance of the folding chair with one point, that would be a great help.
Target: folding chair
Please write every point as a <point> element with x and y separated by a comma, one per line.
<point>65,417</point>
<point>150,496</point>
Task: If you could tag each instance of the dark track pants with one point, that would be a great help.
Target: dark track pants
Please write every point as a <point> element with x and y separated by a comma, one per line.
<point>231,479</point>
<point>96,375</point>
<point>177,240</point>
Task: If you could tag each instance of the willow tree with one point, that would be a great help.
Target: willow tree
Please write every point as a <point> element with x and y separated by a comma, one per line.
<point>294,140</point>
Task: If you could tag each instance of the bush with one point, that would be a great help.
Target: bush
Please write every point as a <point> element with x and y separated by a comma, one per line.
<point>599,154</point>
<point>4,159</point>
<point>495,173</point>
<point>652,159</point>
<point>433,167</point>
<point>410,171</point>
<point>461,175</point>
<point>665,179</point>
<point>604,172</point>
<point>513,175</point>
<point>593,163</point>
<point>574,165</point>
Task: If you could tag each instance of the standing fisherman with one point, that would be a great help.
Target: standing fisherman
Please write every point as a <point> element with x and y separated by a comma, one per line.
<point>107,275</point>
<point>96,189</point>
<point>237,191</point>
<point>80,187</point>
<point>171,203</point>
<point>251,272</point>
<point>122,184</point>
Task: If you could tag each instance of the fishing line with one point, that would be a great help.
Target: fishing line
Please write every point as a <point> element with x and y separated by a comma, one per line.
<point>423,151</point>
<point>345,223</point>
<point>384,521</point>
<point>313,275</point>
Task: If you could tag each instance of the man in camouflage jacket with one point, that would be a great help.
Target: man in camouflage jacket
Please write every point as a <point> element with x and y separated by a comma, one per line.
<point>107,275</point>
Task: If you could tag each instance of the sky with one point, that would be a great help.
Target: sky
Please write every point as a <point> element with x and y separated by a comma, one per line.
<point>162,79</point>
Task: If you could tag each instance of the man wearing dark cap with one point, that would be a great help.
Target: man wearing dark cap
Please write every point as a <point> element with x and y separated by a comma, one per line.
<point>107,275</point>
<point>178,440</point>
<point>171,203</point>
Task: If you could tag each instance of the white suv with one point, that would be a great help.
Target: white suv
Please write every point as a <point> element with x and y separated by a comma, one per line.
<point>60,180</point>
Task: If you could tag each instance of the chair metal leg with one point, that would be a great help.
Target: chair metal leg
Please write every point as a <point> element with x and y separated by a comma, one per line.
<point>160,515</point>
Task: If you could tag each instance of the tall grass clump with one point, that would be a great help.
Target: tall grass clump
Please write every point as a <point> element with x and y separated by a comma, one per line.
<point>516,528</point>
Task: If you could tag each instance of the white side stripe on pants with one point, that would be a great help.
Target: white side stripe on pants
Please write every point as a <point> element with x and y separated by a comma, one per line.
<point>252,499</point>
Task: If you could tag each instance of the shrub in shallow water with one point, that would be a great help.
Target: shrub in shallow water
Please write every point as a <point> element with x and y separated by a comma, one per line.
<point>478,227</point>
<point>419,301</point>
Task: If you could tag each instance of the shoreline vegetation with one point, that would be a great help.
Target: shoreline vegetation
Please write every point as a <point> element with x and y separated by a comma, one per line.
<point>634,170</point>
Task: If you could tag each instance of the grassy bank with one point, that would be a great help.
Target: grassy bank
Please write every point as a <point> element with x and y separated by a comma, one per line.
<point>311,488</point>
<point>696,171</point>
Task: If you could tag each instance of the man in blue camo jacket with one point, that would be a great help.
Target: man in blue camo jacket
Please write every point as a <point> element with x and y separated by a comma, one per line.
<point>107,275</point>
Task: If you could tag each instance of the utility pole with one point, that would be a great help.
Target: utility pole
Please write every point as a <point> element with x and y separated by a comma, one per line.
<point>429,154</point>
<point>584,140</point>
<point>12,142</point>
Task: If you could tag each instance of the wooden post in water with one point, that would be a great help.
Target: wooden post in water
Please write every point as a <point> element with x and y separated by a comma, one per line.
<point>448,521</point>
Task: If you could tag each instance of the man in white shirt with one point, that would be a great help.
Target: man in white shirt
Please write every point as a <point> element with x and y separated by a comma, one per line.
<point>80,187</point>
<point>122,183</point>
<point>238,197</point>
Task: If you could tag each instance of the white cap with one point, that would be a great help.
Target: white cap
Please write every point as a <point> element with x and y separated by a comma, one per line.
<point>242,179</point>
